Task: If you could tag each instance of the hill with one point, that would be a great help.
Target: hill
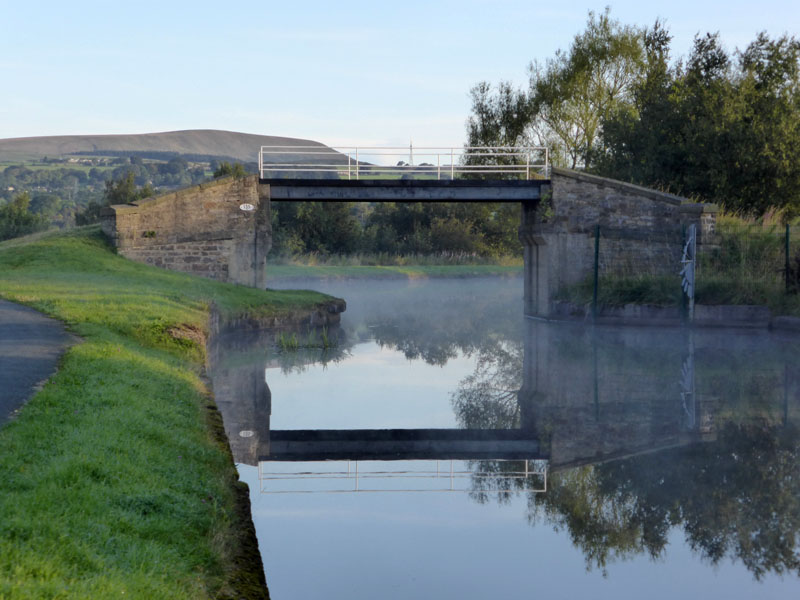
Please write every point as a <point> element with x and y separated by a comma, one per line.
<point>198,142</point>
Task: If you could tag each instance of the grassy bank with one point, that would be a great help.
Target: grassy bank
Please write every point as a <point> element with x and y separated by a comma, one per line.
<point>115,480</point>
<point>747,267</point>
<point>289,272</point>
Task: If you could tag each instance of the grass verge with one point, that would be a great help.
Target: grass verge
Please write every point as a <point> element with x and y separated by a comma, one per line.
<point>115,477</point>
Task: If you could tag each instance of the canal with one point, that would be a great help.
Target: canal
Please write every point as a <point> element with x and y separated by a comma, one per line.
<point>438,444</point>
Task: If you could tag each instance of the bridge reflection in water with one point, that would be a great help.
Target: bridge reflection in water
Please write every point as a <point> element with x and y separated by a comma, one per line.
<point>393,476</point>
<point>587,397</point>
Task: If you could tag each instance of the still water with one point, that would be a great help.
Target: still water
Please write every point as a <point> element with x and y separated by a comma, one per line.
<point>443,446</point>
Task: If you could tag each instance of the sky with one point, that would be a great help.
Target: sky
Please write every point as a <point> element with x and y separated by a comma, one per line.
<point>343,73</point>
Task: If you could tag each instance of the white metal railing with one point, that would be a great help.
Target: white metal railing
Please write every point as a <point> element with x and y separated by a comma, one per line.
<point>385,476</point>
<point>428,162</point>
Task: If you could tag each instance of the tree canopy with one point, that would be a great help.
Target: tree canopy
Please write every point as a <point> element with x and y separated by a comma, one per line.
<point>717,126</point>
<point>17,219</point>
<point>118,191</point>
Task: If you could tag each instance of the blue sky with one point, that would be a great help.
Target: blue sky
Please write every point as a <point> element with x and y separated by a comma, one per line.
<point>339,72</point>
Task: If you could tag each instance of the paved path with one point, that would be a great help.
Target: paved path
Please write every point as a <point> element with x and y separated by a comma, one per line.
<point>30,346</point>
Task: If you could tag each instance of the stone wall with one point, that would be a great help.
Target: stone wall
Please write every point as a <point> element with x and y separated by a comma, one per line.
<point>199,230</point>
<point>640,232</point>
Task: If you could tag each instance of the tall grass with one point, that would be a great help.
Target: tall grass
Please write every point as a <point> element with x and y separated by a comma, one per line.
<point>314,338</point>
<point>748,267</point>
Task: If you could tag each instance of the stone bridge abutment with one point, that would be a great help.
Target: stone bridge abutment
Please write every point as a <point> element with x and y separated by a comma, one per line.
<point>641,232</point>
<point>220,230</point>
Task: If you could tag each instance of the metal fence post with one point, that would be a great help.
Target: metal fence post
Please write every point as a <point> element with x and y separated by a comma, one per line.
<point>684,297</point>
<point>596,270</point>
<point>787,265</point>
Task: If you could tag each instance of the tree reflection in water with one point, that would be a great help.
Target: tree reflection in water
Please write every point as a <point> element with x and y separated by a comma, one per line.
<point>734,493</point>
<point>738,496</point>
<point>487,399</point>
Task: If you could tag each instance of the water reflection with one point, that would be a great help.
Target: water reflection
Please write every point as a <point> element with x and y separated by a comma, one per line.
<point>651,430</point>
<point>634,433</point>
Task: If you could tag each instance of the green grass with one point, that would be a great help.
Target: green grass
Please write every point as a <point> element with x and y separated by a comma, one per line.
<point>114,478</point>
<point>660,290</point>
<point>289,272</point>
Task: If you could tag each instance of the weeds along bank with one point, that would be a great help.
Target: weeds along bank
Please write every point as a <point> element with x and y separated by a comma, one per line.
<point>116,477</point>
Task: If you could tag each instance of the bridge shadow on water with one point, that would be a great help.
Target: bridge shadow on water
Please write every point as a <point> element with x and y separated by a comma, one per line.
<point>616,435</point>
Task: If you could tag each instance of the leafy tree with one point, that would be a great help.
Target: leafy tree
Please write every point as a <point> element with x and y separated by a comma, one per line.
<point>323,227</point>
<point>573,92</point>
<point>16,218</point>
<point>118,191</point>
<point>716,129</point>
<point>226,169</point>
<point>45,204</point>
<point>498,119</point>
<point>568,96</point>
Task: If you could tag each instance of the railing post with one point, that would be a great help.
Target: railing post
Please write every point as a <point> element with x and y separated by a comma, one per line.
<point>348,166</point>
<point>527,166</point>
<point>547,162</point>
<point>438,166</point>
<point>357,174</point>
<point>452,166</point>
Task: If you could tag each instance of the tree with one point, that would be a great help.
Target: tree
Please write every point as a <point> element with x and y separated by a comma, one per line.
<point>118,191</point>
<point>45,204</point>
<point>573,92</point>
<point>498,119</point>
<point>715,129</point>
<point>323,227</point>
<point>16,219</point>
<point>568,96</point>
<point>226,169</point>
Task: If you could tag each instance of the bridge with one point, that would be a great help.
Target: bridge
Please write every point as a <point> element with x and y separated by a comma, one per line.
<point>391,444</point>
<point>222,229</point>
<point>308,173</point>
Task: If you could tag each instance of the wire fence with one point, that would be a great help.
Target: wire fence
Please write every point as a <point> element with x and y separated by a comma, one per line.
<point>743,263</point>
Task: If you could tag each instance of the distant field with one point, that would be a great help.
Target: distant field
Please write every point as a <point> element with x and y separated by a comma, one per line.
<point>289,272</point>
<point>34,166</point>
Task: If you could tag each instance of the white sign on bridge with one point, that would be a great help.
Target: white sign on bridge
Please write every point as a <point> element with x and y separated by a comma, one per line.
<point>247,207</point>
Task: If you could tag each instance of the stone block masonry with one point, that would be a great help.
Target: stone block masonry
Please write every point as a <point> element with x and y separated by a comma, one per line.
<point>641,232</point>
<point>200,230</point>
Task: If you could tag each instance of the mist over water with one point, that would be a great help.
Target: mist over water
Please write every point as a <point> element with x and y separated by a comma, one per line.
<point>526,457</point>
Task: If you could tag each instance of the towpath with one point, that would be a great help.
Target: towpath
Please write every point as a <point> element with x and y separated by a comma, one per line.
<point>30,346</point>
